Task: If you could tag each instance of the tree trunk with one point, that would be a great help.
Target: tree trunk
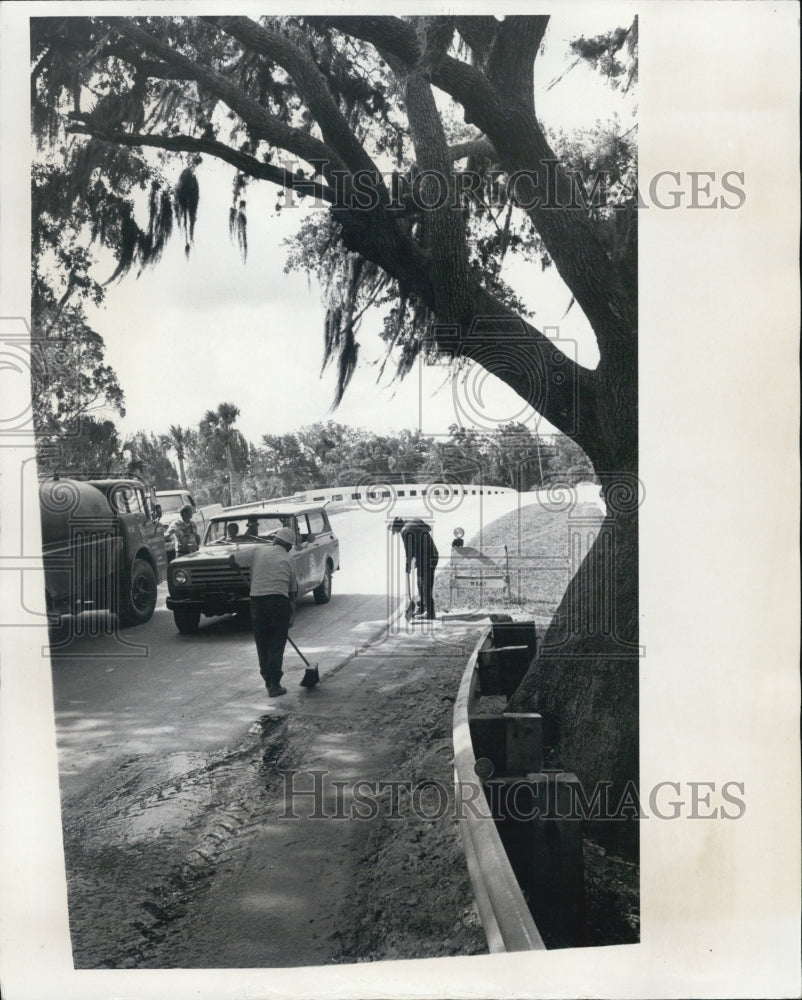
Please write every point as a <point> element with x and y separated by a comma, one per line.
<point>182,471</point>
<point>233,491</point>
<point>584,680</point>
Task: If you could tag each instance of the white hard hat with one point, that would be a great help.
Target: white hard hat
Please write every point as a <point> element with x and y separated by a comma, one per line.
<point>286,535</point>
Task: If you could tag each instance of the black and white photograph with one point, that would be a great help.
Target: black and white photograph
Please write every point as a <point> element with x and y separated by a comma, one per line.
<point>400,498</point>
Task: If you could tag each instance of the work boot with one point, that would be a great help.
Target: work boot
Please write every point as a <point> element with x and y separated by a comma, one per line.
<point>274,690</point>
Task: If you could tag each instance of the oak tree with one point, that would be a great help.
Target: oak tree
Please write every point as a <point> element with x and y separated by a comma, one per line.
<point>419,142</point>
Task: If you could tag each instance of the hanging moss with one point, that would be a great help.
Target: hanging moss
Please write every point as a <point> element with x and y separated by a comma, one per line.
<point>160,225</point>
<point>131,238</point>
<point>187,196</point>
<point>238,227</point>
<point>348,356</point>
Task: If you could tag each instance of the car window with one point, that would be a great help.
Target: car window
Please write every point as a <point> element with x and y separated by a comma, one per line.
<point>303,527</point>
<point>245,529</point>
<point>316,522</point>
<point>170,505</point>
<point>126,500</point>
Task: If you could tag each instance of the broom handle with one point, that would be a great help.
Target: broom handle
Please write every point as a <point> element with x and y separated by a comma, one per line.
<point>289,639</point>
<point>412,568</point>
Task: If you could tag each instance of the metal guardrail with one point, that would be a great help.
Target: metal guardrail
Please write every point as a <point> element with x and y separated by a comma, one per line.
<point>505,915</point>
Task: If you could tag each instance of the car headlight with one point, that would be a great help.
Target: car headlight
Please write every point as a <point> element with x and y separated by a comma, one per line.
<point>180,576</point>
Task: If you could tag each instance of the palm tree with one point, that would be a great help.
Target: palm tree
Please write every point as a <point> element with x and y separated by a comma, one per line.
<point>217,427</point>
<point>178,439</point>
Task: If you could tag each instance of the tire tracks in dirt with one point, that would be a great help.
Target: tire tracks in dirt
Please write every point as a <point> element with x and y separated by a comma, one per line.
<point>186,863</point>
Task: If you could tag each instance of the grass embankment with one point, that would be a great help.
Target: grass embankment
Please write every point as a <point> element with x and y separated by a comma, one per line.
<point>545,546</point>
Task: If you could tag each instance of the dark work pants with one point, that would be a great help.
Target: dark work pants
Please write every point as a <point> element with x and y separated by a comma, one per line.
<point>425,573</point>
<point>270,618</point>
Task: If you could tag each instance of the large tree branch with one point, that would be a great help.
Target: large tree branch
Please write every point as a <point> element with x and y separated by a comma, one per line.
<point>373,234</point>
<point>483,330</point>
<point>442,224</point>
<point>479,33</point>
<point>314,90</point>
<point>311,83</point>
<point>511,65</point>
<point>472,147</point>
<point>262,124</point>
<point>188,144</point>
<point>535,367</point>
<point>394,36</point>
<point>511,126</point>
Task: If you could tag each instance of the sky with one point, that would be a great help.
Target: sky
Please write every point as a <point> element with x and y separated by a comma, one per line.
<point>194,332</point>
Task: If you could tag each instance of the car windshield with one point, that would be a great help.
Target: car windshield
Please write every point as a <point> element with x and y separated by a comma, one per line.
<point>246,529</point>
<point>170,505</point>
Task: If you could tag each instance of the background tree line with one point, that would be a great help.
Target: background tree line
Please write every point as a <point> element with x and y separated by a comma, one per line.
<point>216,462</point>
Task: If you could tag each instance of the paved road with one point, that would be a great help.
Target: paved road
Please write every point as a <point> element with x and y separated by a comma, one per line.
<point>170,755</point>
<point>150,690</point>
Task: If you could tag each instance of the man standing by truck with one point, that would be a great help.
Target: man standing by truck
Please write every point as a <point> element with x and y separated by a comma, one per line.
<point>274,589</point>
<point>185,532</point>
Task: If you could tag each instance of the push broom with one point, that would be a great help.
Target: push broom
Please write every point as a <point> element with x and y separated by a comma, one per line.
<point>311,674</point>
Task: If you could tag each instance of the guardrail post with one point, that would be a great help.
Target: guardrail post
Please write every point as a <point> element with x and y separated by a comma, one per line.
<point>524,741</point>
<point>543,840</point>
<point>502,670</point>
<point>512,742</point>
<point>515,634</point>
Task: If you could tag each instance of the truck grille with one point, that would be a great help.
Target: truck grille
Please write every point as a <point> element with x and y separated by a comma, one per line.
<point>218,576</point>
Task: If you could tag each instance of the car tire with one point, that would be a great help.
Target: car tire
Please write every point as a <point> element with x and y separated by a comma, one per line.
<point>322,593</point>
<point>138,600</point>
<point>186,620</point>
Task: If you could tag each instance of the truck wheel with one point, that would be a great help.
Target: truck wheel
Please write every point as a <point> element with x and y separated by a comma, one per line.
<point>322,593</point>
<point>139,597</point>
<point>186,620</point>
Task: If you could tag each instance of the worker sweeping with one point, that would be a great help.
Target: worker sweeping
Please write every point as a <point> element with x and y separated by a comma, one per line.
<point>419,547</point>
<point>274,589</point>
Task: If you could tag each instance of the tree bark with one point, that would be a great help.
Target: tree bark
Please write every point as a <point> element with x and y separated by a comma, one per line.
<point>584,679</point>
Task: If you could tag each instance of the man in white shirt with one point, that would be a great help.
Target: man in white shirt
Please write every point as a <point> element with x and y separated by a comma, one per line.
<point>274,589</point>
<point>185,532</point>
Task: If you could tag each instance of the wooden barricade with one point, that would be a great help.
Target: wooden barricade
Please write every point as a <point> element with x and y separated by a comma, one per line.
<point>475,570</point>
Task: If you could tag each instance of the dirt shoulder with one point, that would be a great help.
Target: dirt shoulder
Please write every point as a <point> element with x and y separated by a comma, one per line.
<point>225,869</point>
<point>205,860</point>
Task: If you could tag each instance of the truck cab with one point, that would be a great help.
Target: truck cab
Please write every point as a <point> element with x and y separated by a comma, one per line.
<point>102,546</point>
<point>206,583</point>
